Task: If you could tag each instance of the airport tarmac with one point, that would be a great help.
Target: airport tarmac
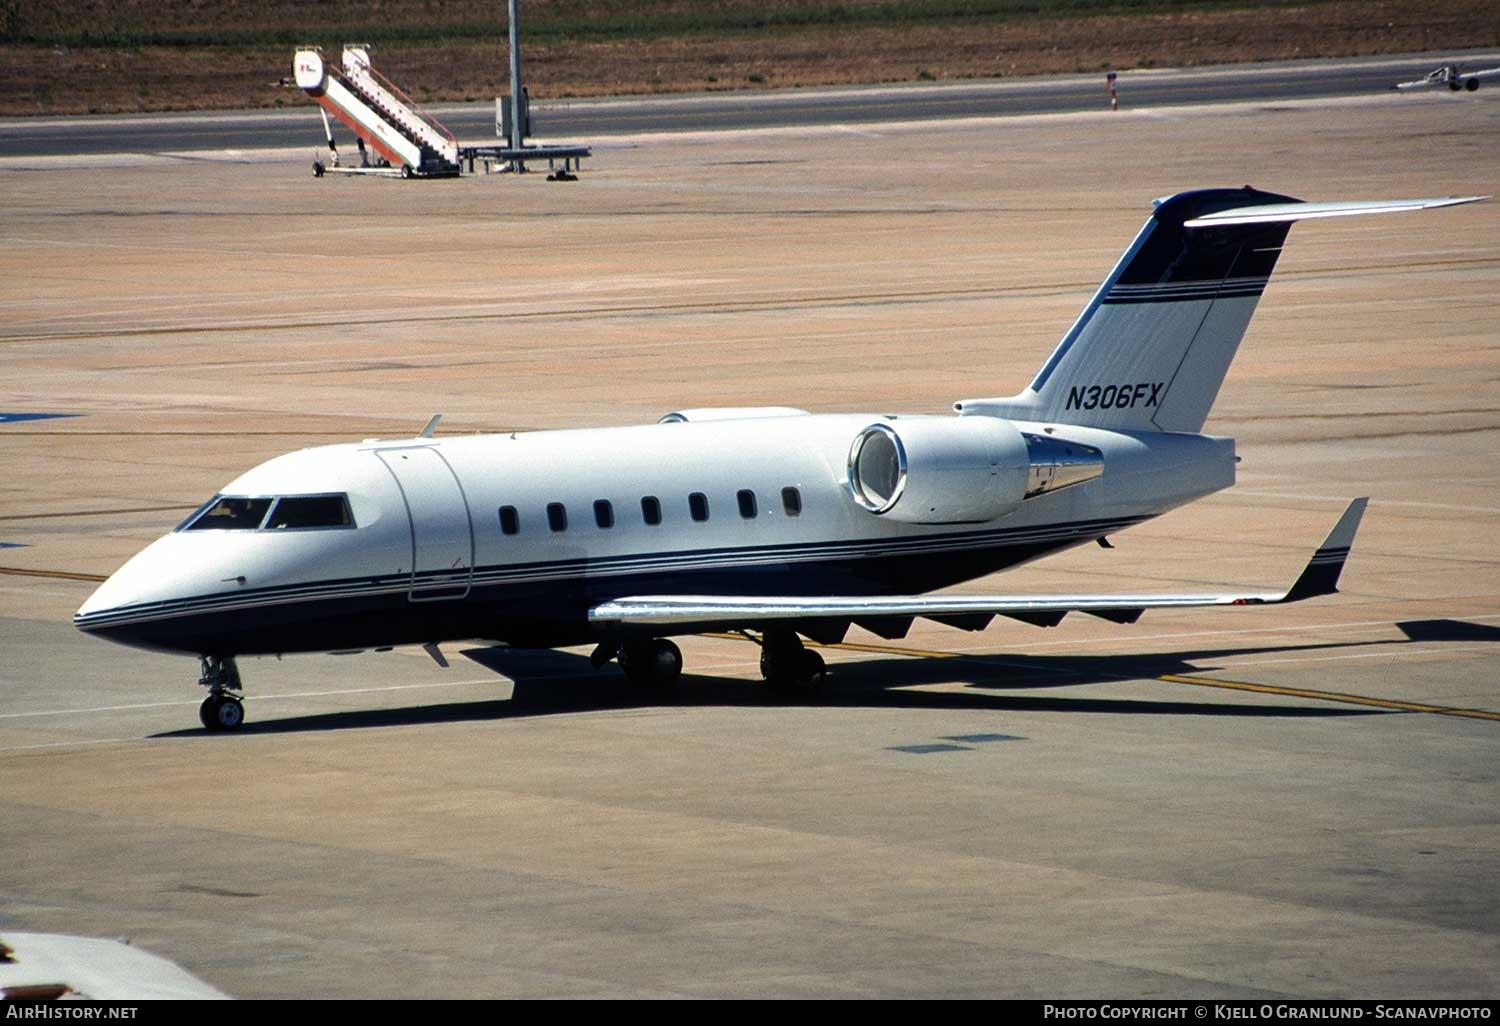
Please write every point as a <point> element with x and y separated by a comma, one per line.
<point>1295,801</point>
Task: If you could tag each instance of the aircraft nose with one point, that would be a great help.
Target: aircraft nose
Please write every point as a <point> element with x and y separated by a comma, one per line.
<point>131,585</point>
<point>103,599</point>
<point>114,603</point>
<point>129,606</point>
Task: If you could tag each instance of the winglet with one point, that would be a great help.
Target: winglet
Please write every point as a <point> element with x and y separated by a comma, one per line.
<point>1321,576</point>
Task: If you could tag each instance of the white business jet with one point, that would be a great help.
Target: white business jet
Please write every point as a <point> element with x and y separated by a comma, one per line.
<point>773,522</point>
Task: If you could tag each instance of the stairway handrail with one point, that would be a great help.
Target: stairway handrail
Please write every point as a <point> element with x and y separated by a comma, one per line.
<point>411,104</point>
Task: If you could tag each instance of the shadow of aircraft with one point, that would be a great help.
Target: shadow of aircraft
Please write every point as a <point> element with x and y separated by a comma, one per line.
<point>550,682</point>
<point>1448,630</point>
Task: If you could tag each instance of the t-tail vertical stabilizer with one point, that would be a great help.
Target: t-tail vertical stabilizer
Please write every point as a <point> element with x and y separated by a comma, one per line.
<point>1151,349</point>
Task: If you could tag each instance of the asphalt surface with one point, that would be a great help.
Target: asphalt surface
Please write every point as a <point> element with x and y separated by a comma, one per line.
<point>1291,801</point>
<point>581,120</point>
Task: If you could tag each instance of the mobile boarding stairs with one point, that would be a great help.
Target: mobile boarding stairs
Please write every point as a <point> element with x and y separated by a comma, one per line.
<point>406,139</point>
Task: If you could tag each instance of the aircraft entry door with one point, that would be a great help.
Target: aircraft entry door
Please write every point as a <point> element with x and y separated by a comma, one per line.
<point>442,532</point>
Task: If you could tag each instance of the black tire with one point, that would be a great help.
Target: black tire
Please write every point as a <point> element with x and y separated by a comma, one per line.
<point>814,669</point>
<point>656,663</point>
<point>793,673</point>
<point>221,712</point>
<point>635,660</point>
<point>666,663</point>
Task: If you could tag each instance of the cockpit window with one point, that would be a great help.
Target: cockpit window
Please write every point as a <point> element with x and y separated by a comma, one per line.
<point>229,513</point>
<point>237,513</point>
<point>310,511</point>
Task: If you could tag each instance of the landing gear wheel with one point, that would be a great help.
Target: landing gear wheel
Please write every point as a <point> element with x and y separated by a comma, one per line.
<point>790,669</point>
<point>221,712</point>
<point>655,663</point>
<point>222,709</point>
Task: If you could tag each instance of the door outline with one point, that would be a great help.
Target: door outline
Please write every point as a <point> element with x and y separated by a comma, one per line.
<point>449,582</point>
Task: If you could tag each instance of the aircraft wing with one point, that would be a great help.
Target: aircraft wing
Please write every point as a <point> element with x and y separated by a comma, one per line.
<point>971,612</point>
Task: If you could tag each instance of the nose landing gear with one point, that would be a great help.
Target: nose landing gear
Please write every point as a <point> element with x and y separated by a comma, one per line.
<point>223,708</point>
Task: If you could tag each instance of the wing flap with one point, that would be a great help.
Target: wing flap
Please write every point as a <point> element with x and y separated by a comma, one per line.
<point>882,613</point>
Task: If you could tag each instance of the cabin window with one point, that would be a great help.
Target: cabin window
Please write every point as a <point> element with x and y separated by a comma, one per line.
<point>747,503</point>
<point>604,514</point>
<point>698,506</point>
<point>557,516</point>
<point>229,513</point>
<point>651,510</point>
<point>510,520</point>
<point>302,511</point>
<point>791,501</point>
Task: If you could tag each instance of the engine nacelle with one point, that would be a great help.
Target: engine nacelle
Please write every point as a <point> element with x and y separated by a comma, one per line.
<point>945,470</point>
<point>952,470</point>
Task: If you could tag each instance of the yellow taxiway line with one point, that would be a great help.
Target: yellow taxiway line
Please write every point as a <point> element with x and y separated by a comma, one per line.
<point>62,575</point>
<point>1330,696</point>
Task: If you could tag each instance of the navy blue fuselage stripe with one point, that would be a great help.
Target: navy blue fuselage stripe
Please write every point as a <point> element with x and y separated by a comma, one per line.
<point>599,574</point>
<point>542,614</point>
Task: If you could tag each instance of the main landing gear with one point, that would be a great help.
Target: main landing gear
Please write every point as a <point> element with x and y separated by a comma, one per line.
<point>788,667</point>
<point>651,662</point>
<point>223,708</point>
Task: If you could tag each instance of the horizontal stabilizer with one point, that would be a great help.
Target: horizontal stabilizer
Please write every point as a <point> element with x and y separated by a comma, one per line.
<point>1285,213</point>
<point>890,615</point>
<point>1152,348</point>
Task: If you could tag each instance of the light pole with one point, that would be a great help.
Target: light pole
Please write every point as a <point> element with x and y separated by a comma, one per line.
<point>517,132</point>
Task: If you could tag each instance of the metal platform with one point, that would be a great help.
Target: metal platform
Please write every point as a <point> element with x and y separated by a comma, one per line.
<point>568,156</point>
